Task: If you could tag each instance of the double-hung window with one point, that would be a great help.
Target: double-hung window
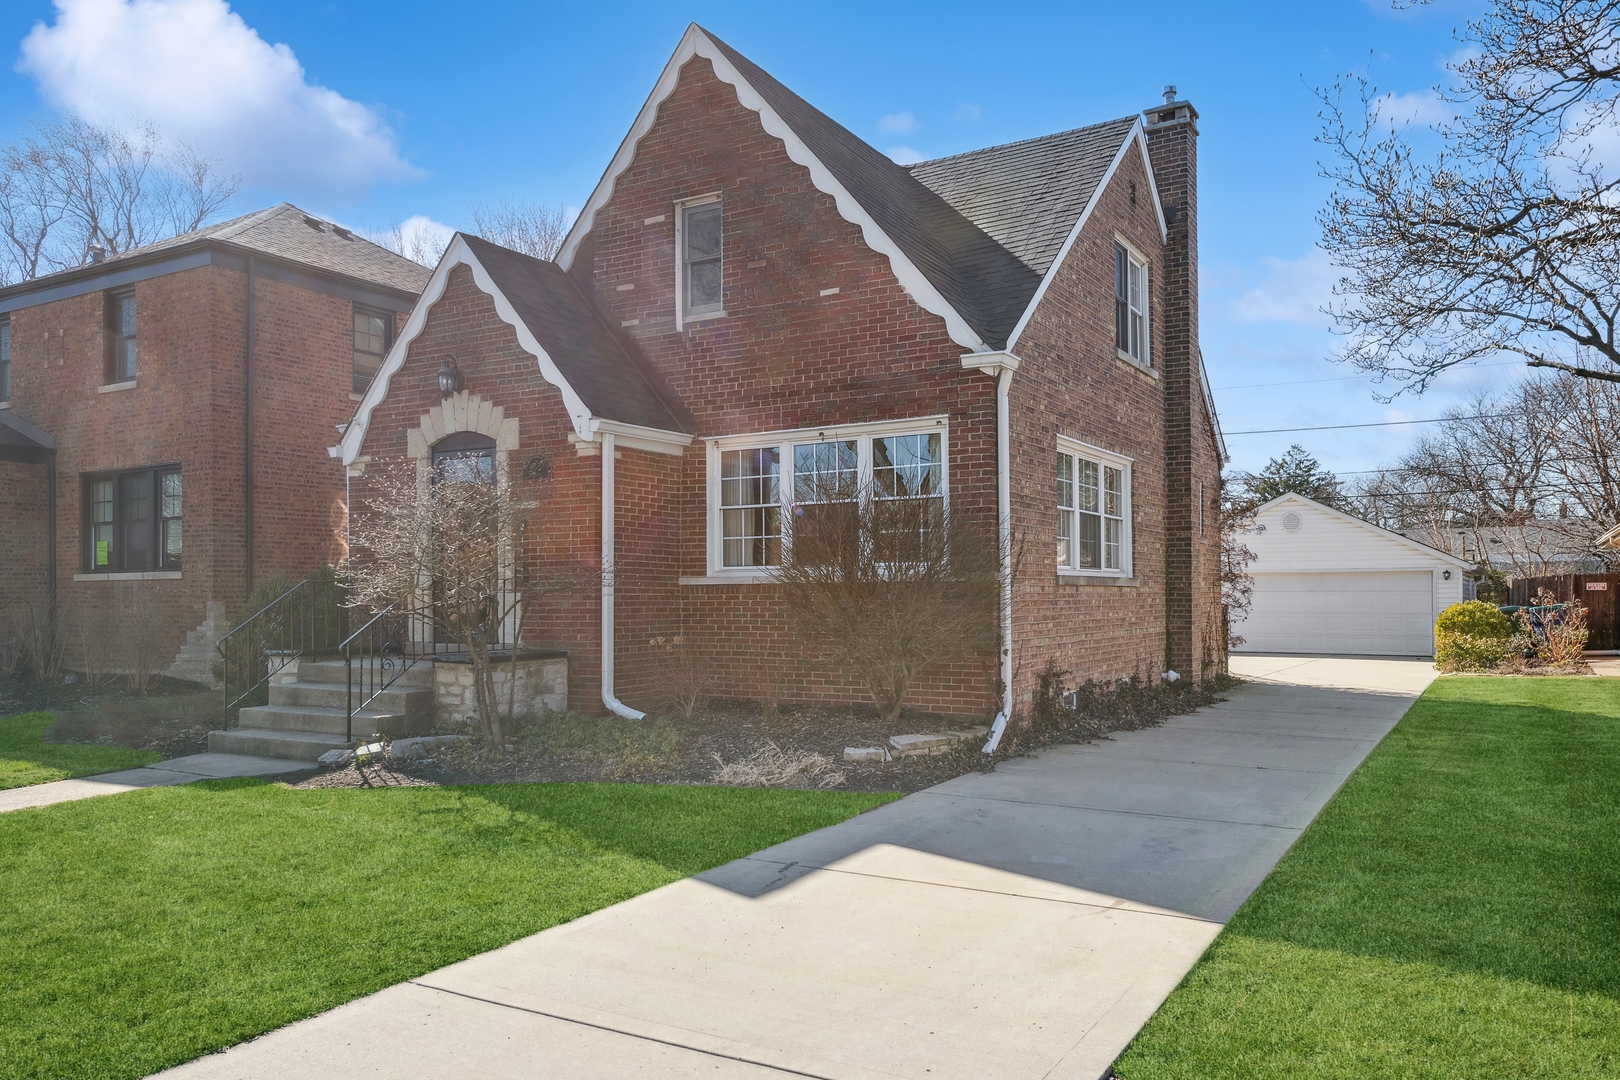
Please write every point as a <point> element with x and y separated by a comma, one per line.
<point>1094,511</point>
<point>698,229</point>
<point>761,486</point>
<point>1130,305</point>
<point>5,359</point>
<point>373,334</point>
<point>120,337</point>
<point>132,520</point>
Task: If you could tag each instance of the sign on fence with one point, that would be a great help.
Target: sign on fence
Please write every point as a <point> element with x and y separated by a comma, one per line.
<point>1597,586</point>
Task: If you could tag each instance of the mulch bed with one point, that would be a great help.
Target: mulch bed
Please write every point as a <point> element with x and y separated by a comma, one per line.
<point>173,719</point>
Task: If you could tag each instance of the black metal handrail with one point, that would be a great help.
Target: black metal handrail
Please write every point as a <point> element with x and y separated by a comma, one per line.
<point>376,655</point>
<point>308,619</point>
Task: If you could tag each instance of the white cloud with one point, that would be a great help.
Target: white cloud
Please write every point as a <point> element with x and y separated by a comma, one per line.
<point>1418,107</point>
<point>900,123</point>
<point>420,228</point>
<point>202,75</point>
<point>967,114</point>
<point>904,155</point>
<point>1293,291</point>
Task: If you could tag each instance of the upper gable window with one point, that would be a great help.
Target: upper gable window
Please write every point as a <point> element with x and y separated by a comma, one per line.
<point>699,243</point>
<point>1130,305</point>
<point>5,359</point>
<point>373,334</point>
<point>120,337</point>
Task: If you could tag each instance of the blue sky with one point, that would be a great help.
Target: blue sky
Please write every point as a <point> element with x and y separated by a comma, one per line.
<point>375,113</point>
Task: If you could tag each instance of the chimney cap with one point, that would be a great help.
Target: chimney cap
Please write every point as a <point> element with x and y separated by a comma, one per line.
<point>1169,93</point>
<point>96,254</point>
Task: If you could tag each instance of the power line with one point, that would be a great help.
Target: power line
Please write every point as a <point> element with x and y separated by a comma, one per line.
<point>1342,378</point>
<point>1341,427</point>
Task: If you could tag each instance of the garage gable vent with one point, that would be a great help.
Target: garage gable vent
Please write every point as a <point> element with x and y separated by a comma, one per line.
<point>1290,522</point>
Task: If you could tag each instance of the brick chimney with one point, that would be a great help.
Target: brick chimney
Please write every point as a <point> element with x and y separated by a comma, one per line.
<point>1172,137</point>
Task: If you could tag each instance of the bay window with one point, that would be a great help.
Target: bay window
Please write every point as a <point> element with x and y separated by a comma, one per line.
<point>1093,511</point>
<point>761,485</point>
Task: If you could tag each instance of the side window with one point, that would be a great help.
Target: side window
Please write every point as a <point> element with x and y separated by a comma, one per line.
<point>701,292</point>
<point>1130,305</point>
<point>1093,504</point>
<point>373,334</point>
<point>133,521</point>
<point>5,359</point>
<point>120,365</point>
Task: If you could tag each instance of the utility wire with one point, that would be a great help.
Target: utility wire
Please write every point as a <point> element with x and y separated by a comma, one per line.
<point>1340,378</point>
<point>1379,423</point>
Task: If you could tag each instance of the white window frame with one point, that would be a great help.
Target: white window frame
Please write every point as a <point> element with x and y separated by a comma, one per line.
<point>1135,256</point>
<point>861,434</point>
<point>682,316</point>
<point>1104,458</point>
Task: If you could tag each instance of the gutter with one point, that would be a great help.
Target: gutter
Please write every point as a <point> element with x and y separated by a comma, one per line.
<point>1002,365</point>
<point>247,435</point>
<point>615,706</point>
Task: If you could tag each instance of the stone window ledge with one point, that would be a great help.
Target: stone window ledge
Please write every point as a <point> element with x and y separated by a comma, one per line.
<point>144,575</point>
<point>1107,580</point>
<point>729,579</point>
<point>1122,355</point>
<point>110,388</point>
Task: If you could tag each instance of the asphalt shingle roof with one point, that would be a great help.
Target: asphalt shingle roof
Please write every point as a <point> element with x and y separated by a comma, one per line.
<point>595,360</point>
<point>982,227</point>
<point>286,232</point>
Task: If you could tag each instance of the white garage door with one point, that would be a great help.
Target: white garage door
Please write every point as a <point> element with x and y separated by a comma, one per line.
<point>1378,614</point>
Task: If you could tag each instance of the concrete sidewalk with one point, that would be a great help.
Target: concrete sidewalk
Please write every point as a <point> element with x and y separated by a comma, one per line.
<point>181,770</point>
<point>1024,923</point>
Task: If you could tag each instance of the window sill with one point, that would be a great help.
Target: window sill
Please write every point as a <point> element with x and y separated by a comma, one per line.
<point>112,388</point>
<point>757,577</point>
<point>702,317</point>
<point>142,575</point>
<point>1146,369</point>
<point>5,404</point>
<point>356,397</point>
<point>1070,577</point>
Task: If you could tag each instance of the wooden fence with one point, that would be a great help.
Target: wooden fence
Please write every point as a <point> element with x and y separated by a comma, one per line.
<point>1600,593</point>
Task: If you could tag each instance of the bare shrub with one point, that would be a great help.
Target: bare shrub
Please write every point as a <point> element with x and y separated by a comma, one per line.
<point>39,636</point>
<point>11,651</point>
<point>1064,713</point>
<point>684,676</point>
<point>145,638</point>
<point>1558,636</point>
<point>90,636</point>
<point>771,766</point>
<point>885,583</point>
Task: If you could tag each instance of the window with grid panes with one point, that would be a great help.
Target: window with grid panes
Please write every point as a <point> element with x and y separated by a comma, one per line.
<point>5,359</point>
<point>373,334</point>
<point>1093,509</point>
<point>1130,304</point>
<point>701,291</point>
<point>120,337</point>
<point>133,520</point>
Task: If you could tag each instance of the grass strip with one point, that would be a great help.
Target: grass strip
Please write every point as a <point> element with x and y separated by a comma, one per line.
<point>26,760</point>
<point>144,929</point>
<point>1422,926</point>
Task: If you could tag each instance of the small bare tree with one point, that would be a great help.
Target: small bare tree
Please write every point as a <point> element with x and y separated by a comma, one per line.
<point>72,185</point>
<point>1238,510</point>
<point>530,227</point>
<point>444,546</point>
<point>888,585</point>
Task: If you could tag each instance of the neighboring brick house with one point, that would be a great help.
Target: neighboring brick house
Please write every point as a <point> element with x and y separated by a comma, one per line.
<point>752,292</point>
<point>174,404</point>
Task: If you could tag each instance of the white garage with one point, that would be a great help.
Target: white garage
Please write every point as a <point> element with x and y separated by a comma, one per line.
<point>1328,583</point>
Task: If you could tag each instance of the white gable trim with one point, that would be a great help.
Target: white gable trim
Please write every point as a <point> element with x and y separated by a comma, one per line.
<point>696,43</point>
<point>457,254</point>
<point>1435,553</point>
<point>1136,136</point>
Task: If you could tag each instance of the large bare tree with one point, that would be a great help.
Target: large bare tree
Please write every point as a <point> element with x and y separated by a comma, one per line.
<point>534,228</point>
<point>1496,230</point>
<point>71,185</point>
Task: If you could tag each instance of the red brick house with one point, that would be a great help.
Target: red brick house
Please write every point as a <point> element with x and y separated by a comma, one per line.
<point>163,422</point>
<point>752,295</point>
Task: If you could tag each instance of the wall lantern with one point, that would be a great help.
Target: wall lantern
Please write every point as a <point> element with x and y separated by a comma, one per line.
<point>450,380</point>
<point>1446,575</point>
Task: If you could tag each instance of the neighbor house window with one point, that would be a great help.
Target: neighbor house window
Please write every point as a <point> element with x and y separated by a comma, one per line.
<point>1093,503</point>
<point>5,359</point>
<point>699,243</point>
<point>759,488</point>
<point>120,337</point>
<point>132,520</point>
<point>373,334</point>
<point>1130,305</point>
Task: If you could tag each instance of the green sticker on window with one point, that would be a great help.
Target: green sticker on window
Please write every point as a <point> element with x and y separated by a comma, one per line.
<point>101,552</point>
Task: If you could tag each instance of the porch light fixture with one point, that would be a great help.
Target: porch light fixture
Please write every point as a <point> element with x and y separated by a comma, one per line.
<point>1446,575</point>
<point>450,380</point>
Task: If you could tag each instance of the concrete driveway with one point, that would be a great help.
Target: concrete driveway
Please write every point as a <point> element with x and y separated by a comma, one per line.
<point>1024,923</point>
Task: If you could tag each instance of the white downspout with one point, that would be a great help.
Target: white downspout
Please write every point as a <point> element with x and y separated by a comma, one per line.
<point>1002,365</point>
<point>614,705</point>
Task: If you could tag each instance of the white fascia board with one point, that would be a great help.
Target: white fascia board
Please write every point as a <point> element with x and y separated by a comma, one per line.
<point>1209,404</point>
<point>637,437</point>
<point>696,43</point>
<point>457,254</point>
<point>1294,496</point>
<point>1137,136</point>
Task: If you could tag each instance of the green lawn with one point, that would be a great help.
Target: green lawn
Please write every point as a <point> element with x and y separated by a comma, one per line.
<point>143,929</point>
<point>1421,926</point>
<point>25,760</point>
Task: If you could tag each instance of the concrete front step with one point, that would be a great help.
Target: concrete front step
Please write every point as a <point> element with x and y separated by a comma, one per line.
<point>419,676</point>
<point>405,701</point>
<point>288,745</point>
<point>322,720</point>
